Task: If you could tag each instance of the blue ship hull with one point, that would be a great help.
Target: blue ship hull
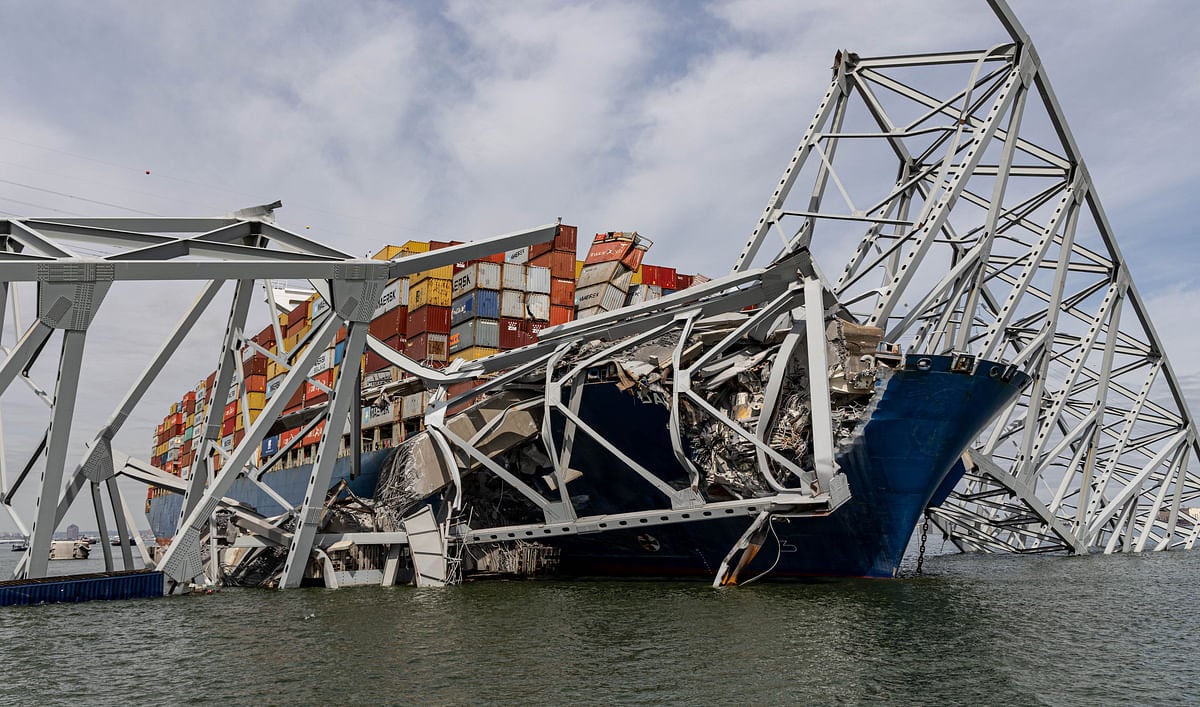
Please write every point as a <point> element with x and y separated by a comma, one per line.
<point>163,513</point>
<point>903,456</point>
<point>906,452</point>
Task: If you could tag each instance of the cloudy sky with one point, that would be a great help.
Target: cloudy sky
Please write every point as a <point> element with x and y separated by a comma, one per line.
<point>382,122</point>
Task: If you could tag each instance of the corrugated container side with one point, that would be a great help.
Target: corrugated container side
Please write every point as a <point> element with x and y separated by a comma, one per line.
<point>682,282</point>
<point>565,238</point>
<point>538,251</point>
<point>512,333</point>
<point>533,329</point>
<point>562,264</point>
<point>323,363</point>
<point>599,273</point>
<point>475,332</point>
<point>431,291</point>
<point>431,319</point>
<point>378,412</point>
<point>512,304</point>
<point>513,276</point>
<point>445,272</point>
<point>562,292</point>
<point>389,298</point>
<point>561,315</point>
<point>476,303</point>
<point>412,405</point>
<point>427,347</point>
<point>537,279</point>
<point>476,352</point>
<point>538,306</point>
<point>606,297</point>
<point>274,385</point>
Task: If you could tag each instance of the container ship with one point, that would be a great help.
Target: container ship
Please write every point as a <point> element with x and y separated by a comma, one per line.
<point>570,486</point>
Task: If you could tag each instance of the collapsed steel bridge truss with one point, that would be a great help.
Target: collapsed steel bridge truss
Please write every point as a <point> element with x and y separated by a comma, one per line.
<point>986,237</point>
<point>955,194</point>
<point>241,250</point>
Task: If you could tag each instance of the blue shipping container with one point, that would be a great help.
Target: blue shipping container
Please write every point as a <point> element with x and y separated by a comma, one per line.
<point>476,304</point>
<point>270,446</point>
<point>339,352</point>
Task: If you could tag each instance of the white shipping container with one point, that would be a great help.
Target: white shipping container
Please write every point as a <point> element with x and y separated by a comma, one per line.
<point>412,406</point>
<point>227,443</point>
<point>484,275</point>
<point>606,297</point>
<point>232,394</point>
<point>274,384</point>
<point>377,378</point>
<point>538,307</point>
<point>519,255</point>
<point>319,305</point>
<point>378,413</point>
<point>600,273</point>
<point>389,299</point>
<point>514,276</point>
<point>537,279</point>
<point>324,363</point>
<point>512,304</point>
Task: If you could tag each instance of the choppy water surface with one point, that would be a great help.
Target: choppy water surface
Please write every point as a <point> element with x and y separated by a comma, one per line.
<point>975,630</point>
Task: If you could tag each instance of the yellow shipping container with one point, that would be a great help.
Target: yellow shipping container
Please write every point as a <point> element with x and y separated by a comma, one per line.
<point>435,291</point>
<point>415,247</point>
<point>474,352</point>
<point>578,268</point>
<point>387,252</point>
<point>446,272</point>
<point>239,424</point>
<point>256,401</point>
<point>273,369</point>
<point>637,276</point>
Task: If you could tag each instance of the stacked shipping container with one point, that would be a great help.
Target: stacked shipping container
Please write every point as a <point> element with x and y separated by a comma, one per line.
<point>467,310</point>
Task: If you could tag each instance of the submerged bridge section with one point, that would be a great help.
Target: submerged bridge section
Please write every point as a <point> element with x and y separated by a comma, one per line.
<point>948,185</point>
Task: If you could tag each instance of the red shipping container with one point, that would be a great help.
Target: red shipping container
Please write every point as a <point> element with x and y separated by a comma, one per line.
<point>265,338</point>
<point>298,316</point>
<point>230,411</point>
<point>210,382</point>
<point>456,389</point>
<point>542,260</point>
<point>512,333</point>
<point>256,383</point>
<point>373,362</point>
<point>658,275</point>
<point>682,282</point>
<point>606,252</point>
<point>431,319</point>
<point>562,264</point>
<point>287,436</point>
<point>560,314</point>
<point>228,426</point>
<point>314,435</point>
<point>497,258</point>
<point>238,436</point>
<point>295,402</point>
<point>340,336</point>
<point>562,291</point>
<point>534,328</point>
<point>255,365</point>
<point>565,238</point>
<point>390,323</point>
<point>186,448</point>
<point>538,250</point>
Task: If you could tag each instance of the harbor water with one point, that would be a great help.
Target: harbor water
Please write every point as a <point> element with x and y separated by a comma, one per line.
<point>973,630</point>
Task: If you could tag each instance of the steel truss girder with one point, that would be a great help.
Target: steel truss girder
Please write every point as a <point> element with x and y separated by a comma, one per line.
<point>540,367</point>
<point>245,248</point>
<point>992,240</point>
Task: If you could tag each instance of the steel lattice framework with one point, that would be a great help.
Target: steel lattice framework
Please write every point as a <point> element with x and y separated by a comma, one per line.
<point>971,225</point>
<point>238,251</point>
<point>948,184</point>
